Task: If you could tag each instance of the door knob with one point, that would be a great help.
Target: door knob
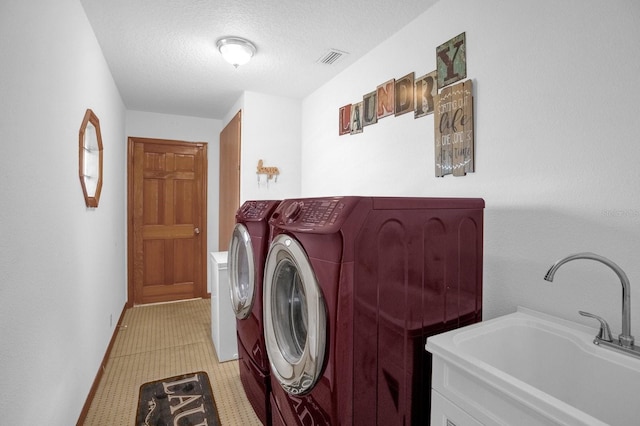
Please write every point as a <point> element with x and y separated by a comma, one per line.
<point>196,231</point>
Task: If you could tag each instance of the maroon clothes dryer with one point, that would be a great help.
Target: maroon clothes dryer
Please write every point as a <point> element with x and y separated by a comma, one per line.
<point>247,252</point>
<point>353,286</point>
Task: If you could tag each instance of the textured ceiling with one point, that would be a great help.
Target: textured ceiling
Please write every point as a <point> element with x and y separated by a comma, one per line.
<point>163,56</point>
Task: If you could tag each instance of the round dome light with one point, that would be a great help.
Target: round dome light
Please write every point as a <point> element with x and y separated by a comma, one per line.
<point>237,51</point>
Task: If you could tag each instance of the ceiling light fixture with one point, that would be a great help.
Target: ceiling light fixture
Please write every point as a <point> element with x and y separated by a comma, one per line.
<point>235,50</point>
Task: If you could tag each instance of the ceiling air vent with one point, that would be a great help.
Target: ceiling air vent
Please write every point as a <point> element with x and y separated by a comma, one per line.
<point>331,57</point>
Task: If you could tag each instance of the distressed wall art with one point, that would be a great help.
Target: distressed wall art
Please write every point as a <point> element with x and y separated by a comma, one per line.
<point>344,120</point>
<point>356,118</point>
<point>451,60</point>
<point>386,99</point>
<point>370,108</point>
<point>425,92</point>
<point>454,138</point>
<point>404,94</point>
<point>434,92</point>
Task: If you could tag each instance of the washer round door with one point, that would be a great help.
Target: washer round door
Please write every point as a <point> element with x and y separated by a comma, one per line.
<point>294,317</point>
<point>241,267</point>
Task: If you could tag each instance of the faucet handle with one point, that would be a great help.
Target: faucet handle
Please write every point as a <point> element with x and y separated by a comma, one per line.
<point>605,331</point>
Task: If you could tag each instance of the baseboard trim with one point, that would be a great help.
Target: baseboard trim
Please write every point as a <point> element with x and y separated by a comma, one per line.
<point>96,381</point>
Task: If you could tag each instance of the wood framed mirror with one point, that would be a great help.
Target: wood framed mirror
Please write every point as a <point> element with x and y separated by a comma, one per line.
<point>90,153</point>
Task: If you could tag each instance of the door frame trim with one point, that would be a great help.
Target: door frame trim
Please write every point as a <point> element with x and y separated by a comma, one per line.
<point>203,228</point>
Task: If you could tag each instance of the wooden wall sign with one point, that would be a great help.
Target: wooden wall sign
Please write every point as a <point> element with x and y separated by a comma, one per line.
<point>393,97</point>
<point>386,99</point>
<point>404,94</point>
<point>356,118</point>
<point>454,137</point>
<point>344,120</point>
<point>451,58</point>
<point>370,108</point>
<point>426,90</point>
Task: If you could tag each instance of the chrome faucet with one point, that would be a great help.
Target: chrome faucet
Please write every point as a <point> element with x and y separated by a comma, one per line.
<point>625,339</point>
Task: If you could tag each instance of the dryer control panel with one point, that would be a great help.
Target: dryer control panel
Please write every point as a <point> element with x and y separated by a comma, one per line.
<point>256,210</point>
<point>312,215</point>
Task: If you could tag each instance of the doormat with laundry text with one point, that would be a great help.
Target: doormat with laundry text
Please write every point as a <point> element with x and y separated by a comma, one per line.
<point>179,400</point>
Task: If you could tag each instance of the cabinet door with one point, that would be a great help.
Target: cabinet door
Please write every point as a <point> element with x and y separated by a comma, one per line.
<point>445,413</point>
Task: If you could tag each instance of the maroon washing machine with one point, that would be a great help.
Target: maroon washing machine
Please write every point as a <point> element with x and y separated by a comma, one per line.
<point>247,252</point>
<point>353,286</point>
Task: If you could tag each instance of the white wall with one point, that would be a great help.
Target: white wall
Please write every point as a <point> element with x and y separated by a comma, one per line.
<point>63,265</point>
<point>271,132</point>
<point>190,129</point>
<point>557,143</point>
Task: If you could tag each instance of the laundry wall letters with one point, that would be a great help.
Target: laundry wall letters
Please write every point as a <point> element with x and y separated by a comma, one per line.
<point>432,92</point>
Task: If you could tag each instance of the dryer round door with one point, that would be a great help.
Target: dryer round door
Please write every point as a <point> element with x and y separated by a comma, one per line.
<point>241,269</point>
<point>295,319</point>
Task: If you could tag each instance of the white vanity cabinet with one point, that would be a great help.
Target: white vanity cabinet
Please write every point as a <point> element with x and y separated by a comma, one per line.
<point>446,413</point>
<point>530,368</point>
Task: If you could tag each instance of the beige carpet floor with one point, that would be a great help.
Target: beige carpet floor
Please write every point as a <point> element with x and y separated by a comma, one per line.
<point>165,340</point>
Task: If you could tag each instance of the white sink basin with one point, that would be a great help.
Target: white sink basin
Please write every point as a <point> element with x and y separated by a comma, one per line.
<point>531,368</point>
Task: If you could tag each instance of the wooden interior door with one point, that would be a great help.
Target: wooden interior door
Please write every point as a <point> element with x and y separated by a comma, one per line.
<point>230,138</point>
<point>167,220</point>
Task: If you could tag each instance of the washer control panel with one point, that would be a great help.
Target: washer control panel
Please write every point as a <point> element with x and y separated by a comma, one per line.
<point>314,214</point>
